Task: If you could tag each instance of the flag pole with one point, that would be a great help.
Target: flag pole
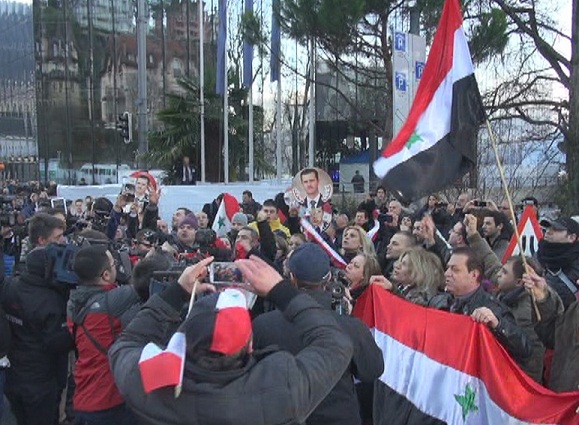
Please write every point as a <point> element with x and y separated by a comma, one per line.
<point>311,110</point>
<point>250,135</point>
<point>202,88</point>
<point>225,119</point>
<point>511,209</point>
<point>278,128</point>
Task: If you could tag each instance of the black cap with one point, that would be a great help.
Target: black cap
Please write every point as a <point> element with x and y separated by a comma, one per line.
<point>562,223</point>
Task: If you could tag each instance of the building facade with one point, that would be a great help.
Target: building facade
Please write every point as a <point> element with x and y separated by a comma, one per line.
<point>68,69</point>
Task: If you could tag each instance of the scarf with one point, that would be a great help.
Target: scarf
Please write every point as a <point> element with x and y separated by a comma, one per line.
<point>557,256</point>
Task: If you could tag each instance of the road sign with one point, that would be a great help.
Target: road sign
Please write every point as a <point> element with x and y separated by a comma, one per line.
<point>408,59</point>
<point>530,233</point>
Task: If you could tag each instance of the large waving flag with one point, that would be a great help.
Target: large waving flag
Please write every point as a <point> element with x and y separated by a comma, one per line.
<point>437,143</point>
<point>441,368</point>
<point>227,209</point>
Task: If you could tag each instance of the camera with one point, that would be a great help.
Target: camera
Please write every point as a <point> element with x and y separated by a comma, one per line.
<point>225,273</point>
<point>337,288</point>
<point>480,204</point>
<point>60,265</point>
<point>385,218</point>
<point>205,238</point>
<point>7,211</point>
<point>128,191</point>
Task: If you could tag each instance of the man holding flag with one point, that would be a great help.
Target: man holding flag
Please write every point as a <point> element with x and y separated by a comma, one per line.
<point>222,380</point>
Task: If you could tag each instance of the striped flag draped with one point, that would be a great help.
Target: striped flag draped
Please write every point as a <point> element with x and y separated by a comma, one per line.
<point>442,368</point>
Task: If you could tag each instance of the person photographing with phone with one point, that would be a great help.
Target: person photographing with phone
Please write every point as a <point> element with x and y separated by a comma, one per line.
<point>223,380</point>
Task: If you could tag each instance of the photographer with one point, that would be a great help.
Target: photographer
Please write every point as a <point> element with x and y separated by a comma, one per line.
<point>309,268</point>
<point>224,380</point>
<point>36,308</point>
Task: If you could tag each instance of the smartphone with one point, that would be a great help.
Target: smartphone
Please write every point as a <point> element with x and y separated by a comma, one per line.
<point>129,191</point>
<point>58,204</point>
<point>225,274</point>
<point>480,204</point>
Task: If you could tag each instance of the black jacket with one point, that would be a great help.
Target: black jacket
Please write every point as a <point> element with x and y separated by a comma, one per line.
<point>36,310</point>
<point>507,332</point>
<point>278,388</point>
<point>367,364</point>
<point>520,304</point>
<point>5,335</point>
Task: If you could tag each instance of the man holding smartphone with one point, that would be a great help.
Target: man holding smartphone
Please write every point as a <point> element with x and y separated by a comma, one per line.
<point>223,380</point>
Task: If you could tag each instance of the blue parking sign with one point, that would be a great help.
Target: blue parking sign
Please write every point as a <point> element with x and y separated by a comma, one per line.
<point>419,69</point>
<point>399,41</point>
<point>400,81</point>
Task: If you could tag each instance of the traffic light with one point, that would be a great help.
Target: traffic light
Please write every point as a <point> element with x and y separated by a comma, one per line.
<point>125,126</point>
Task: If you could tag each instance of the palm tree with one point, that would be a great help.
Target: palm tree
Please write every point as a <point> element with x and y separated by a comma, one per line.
<point>179,133</point>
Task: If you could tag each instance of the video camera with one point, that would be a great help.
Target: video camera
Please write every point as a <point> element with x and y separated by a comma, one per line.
<point>7,211</point>
<point>60,264</point>
<point>337,288</point>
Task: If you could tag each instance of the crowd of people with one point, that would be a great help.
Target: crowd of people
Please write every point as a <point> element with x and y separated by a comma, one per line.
<point>88,284</point>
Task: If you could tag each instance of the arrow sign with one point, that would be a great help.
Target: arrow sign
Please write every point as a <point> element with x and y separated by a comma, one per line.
<point>530,233</point>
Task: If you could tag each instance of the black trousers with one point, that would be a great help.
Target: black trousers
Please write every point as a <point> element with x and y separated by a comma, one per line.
<point>34,405</point>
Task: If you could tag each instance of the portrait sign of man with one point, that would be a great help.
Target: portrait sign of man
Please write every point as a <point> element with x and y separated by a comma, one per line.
<point>312,188</point>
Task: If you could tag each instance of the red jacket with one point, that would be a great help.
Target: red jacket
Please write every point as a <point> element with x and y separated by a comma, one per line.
<point>96,316</point>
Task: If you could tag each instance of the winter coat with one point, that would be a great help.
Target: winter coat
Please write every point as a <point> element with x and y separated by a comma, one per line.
<point>508,334</point>
<point>558,331</point>
<point>278,388</point>
<point>520,303</point>
<point>367,364</point>
<point>96,316</point>
<point>36,310</point>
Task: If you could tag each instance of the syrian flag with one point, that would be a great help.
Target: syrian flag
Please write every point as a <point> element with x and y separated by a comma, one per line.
<point>227,209</point>
<point>163,368</point>
<point>437,143</point>
<point>336,258</point>
<point>441,368</point>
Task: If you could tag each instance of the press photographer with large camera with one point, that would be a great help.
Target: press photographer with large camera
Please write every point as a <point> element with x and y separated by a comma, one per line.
<point>35,305</point>
<point>309,268</point>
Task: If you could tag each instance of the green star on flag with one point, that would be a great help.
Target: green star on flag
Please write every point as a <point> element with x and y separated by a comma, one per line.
<point>413,139</point>
<point>467,401</point>
<point>221,222</point>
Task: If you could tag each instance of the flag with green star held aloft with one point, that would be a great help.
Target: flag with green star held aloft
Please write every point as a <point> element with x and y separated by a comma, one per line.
<point>227,209</point>
<point>437,143</point>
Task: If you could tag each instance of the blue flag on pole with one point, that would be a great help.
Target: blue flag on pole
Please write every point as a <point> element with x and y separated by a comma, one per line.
<point>248,52</point>
<point>221,38</point>
<point>275,42</point>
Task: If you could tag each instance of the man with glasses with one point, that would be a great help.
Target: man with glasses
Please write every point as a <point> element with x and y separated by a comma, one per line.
<point>97,312</point>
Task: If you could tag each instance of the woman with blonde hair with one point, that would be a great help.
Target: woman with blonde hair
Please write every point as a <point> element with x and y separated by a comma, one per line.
<point>418,276</point>
<point>354,241</point>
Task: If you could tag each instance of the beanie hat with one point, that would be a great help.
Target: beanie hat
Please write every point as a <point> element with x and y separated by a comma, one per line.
<point>191,220</point>
<point>239,218</point>
<point>219,322</point>
<point>309,263</point>
<point>37,262</point>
